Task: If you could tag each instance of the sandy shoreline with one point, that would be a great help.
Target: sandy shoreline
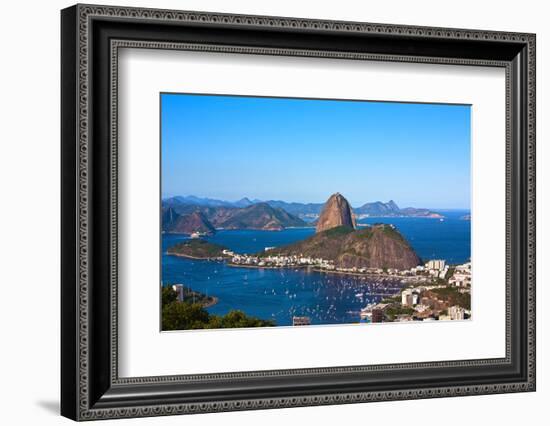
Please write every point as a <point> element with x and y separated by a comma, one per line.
<point>194,257</point>
<point>210,303</point>
<point>313,268</point>
<point>360,274</point>
<point>325,271</point>
<point>237,265</point>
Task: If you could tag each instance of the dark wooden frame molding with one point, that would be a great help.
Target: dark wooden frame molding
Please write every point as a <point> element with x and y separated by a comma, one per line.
<point>90,38</point>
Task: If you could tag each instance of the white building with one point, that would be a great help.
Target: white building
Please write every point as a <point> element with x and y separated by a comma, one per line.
<point>456,313</point>
<point>421,308</point>
<point>438,264</point>
<point>466,267</point>
<point>178,288</point>
<point>410,296</point>
<point>406,297</point>
<point>460,280</point>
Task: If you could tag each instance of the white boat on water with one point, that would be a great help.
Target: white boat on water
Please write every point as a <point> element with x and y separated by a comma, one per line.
<point>198,234</point>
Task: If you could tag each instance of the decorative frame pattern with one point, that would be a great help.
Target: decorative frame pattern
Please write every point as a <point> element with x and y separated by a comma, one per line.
<point>118,44</point>
<point>87,405</point>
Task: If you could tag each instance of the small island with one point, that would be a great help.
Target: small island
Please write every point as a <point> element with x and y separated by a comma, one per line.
<point>198,249</point>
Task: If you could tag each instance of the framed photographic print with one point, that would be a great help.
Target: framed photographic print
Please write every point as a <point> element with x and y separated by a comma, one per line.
<point>263,212</point>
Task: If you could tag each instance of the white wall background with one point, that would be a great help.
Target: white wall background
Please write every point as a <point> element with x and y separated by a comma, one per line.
<point>29,216</point>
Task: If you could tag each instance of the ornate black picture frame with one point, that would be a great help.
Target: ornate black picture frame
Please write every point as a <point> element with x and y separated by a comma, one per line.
<point>90,38</point>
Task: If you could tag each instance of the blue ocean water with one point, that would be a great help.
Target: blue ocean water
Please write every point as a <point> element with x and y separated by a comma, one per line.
<point>280,294</point>
<point>434,239</point>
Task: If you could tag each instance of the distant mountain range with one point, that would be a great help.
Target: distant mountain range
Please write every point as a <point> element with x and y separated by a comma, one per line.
<point>307,211</point>
<point>207,202</point>
<point>258,216</point>
<point>379,208</point>
<point>175,223</point>
<point>184,218</point>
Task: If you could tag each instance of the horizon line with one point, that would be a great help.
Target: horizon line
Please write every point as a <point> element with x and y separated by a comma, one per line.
<point>257,200</point>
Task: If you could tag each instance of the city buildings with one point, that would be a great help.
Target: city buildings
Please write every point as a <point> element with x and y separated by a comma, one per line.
<point>410,296</point>
<point>429,302</point>
<point>462,275</point>
<point>297,321</point>
<point>421,301</point>
<point>436,264</point>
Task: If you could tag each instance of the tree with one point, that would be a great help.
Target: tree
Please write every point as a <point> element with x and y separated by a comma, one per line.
<point>454,297</point>
<point>215,321</point>
<point>238,319</point>
<point>168,295</point>
<point>450,273</point>
<point>191,316</point>
<point>183,316</point>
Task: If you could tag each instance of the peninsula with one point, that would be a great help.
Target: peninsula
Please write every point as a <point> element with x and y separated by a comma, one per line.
<point>198,249</point>
<point>337,241</point>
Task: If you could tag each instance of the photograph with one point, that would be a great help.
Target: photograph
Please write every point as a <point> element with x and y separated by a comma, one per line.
<point>281,212</point>
<point>264,208</point>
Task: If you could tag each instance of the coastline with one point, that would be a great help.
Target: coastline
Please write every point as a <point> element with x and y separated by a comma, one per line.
<point>265,229</point>
<point>211,303</point>
<point>360,274</point>
<point>188,256</point>
<point>402,217</point>
<point>325,271</point>
<point>222,259</point>
<point>237,265</point>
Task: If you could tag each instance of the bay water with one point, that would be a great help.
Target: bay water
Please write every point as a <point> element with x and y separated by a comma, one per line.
<point>280,294</point>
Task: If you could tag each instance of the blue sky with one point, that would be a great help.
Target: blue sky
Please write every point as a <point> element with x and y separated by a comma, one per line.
<point>302,150</point>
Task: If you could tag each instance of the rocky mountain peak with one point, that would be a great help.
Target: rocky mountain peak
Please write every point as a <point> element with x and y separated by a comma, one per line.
<point>336,212</point>
<point>393,206</point>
